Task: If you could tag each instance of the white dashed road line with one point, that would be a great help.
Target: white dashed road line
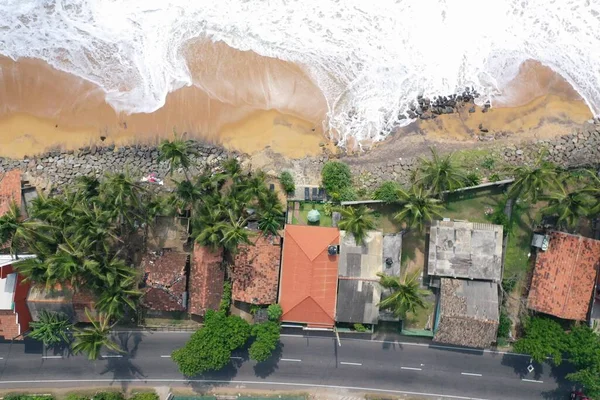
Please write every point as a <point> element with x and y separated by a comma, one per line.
<point>349,363</point>
<point>470,374</point>
<point>291,359</point>
<point>165,356</point>
<point>412,369</point>
<point>532,380</point>
<point>112,356</point>
<point>52,357</point>
<point>236,358</point>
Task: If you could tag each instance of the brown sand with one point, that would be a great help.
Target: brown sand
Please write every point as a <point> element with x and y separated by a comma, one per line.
<point>262,103</point>
<point>42,108</point>
<point>542,105</point>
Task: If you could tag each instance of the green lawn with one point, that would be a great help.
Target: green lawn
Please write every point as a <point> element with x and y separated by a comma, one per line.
<point>472,205</point>
<point>305,208</point>
<point>421,318</point>
<point>384,217</point>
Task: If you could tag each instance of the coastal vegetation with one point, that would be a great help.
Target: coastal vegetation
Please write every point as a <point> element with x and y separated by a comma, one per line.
<point>287,182</point>
<point>403,295</point>
<point>336,179</point>
<point>358,221</point>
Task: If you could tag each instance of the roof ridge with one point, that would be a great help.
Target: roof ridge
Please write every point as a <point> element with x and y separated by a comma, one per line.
<point>571,275</point>
<point>314,301</point>
<point>301,247</point>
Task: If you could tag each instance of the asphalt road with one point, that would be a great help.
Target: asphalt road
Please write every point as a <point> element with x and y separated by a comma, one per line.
<point>302,362</point>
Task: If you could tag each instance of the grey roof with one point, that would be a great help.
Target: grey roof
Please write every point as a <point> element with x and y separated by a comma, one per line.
<point>364,260</point>
<point>468,313</point>
<point>358,301</point>
<point>358,289</point>
<point>392,248</point>
<point>461,249</point>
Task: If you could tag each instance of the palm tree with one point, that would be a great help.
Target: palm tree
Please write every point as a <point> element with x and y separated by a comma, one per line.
<point>418,207</point>
<point>403,296</point>
<point>255,187</point>
<point>439,174</point>
<point>235,233</point>
<point>593,189</point>
<point>568,206</point>
<point>358,221</point>
<point>51,328</point>
<point>207,227</point>
<point>271,213</point>
<point>35,270</point>
<point>122,195</point>
<point>93,228</point>
<point>233,169</point>
<point>17,231</point>
<point>88,187</point>
<point>115,299</point>
<point>108,271</point>
<point>187,194</point>
<point>90,340</point>
<point>178,153</point>
<point>531,181</point>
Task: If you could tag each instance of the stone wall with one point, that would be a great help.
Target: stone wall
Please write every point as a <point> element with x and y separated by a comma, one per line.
<point>62,167</point>
<point>574,150</point>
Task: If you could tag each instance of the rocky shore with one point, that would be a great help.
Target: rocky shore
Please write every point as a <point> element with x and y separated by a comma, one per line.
<point>57,168</point>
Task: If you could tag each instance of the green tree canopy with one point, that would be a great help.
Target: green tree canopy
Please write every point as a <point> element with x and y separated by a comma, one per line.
<point>403,295</point>
<point>91,339</point>
<point>543,337</point>
<point>178,153</point>
<point>287,182</point>
<point>568,206</point>
<point>357,221</point>
<point>531,181</point>
<point>440,174</point>
<point>336,177</point>
<point>418,207</point>
<point>51,328</point>
<point>274,312</point>
<point>387,192</point>
<point>266,339</point>
<point>210,347</point>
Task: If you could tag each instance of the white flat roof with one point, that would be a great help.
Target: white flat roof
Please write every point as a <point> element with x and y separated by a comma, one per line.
<point>7,291</point>
<point>7,259</point>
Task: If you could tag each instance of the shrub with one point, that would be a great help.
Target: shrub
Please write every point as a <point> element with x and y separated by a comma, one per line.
<point>504,325</point>
<point>226,299</point>
<point>287,182</point>
<point>327,209</point>
<point>108,396</point>
<point>210,347</point>
<point>336,176</point>
<point>387,192</point>
<point>508,284</point>
<point>494,177</point>
<point>473,179</point>
<point>144,396</point>
<point>347,194</point>
<point>488,163</point>
<point>266,340</point>
<point>274,311</point>
<point>27,397</point>
<point>360,328</point>
<point>76,396</point>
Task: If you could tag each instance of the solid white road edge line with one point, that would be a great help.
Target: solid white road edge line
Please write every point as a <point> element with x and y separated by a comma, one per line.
<point>532,380</point>
<point>233,381</point>
<point>412,369</point>
<point>470,374</point>
<point>290,359</point>
<point>349,363</point>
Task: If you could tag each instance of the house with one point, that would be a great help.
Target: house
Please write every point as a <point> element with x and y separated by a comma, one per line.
<point>564,276</point>
<point>165,281</point>
<point>465,263</point>
<point>255,271</point>
<point>468,313</point>
<point>359,291</point>
<point>14,315</point>
<point>468,250</point>
<point>61,299</point>
<point>309,272</point>
<point>206,280</point>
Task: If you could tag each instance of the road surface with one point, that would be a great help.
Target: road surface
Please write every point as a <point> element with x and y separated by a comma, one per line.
<point>302,362</point>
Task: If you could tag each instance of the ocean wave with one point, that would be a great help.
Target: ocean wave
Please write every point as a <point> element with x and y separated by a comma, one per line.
<point>369,59</point>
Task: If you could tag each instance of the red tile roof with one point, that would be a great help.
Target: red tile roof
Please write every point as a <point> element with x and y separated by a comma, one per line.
<point>10,189</point>
<point>564,276</point>
<point>165,281</point>
<point>255,273</point>
<point>15,322</point>
<point>206,280</point>
<point>309,275</point>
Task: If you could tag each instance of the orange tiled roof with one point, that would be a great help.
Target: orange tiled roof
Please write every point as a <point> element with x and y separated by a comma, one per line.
<point>564,275</point>
<point>165,280</point>
<point>10,189</point>
<point>309,274</point>
<point>255,273</point>
<point>206,280</point>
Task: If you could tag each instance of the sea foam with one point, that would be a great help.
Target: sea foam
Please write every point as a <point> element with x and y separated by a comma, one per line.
<point>369,58</point>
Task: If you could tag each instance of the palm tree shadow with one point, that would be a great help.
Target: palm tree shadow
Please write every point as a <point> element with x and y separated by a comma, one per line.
<point>129,342</point>
<point>123,370</point>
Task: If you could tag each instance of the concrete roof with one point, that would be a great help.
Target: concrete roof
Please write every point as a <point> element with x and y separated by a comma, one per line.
<point>465,250</point>
<point>358,288</point>
<point>468,313</point>
<point>358,301</point>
